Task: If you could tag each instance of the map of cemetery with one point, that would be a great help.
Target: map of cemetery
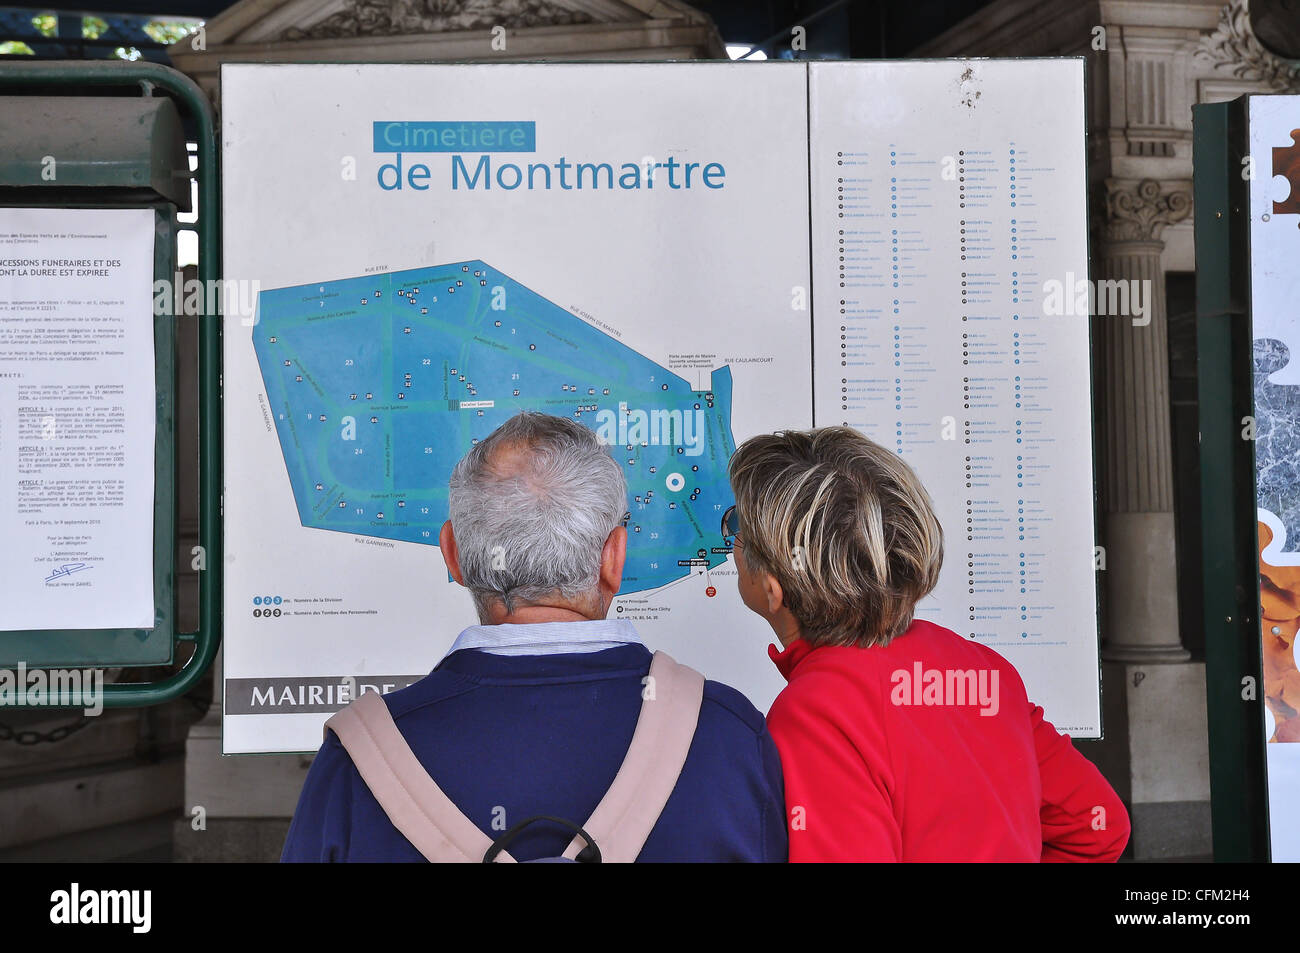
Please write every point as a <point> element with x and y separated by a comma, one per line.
<point>379,384</point>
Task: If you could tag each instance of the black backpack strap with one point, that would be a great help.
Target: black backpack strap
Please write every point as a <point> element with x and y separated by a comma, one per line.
<point>588,855</point>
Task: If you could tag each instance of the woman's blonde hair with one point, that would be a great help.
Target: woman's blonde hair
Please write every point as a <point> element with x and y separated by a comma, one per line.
<point>844,525</point>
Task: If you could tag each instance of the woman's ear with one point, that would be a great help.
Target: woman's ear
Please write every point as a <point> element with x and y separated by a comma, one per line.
<point>773,595</point>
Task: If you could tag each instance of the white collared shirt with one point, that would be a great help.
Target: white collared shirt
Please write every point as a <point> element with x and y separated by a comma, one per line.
<point>547,638</point>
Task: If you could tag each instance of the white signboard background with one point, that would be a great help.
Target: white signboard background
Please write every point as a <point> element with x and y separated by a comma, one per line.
<point>701,271</point>
<point>704,271</point>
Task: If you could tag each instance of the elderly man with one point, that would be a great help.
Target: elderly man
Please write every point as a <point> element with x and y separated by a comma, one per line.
<point>546,728</point>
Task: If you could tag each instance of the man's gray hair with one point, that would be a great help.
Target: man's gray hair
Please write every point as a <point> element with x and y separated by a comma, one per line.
<point>531,506</point>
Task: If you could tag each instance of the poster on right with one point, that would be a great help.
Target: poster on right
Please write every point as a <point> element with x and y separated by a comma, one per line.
<point>1275,289</point>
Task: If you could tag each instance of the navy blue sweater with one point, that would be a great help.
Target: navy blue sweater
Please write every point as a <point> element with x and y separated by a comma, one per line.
<point>511,737</point>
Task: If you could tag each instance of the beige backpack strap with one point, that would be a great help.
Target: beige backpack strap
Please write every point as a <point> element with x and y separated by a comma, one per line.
<point>670,710</point>
<point>411,799</point>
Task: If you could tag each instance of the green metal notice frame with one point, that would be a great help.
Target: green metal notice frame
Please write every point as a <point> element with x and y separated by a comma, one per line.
<point>143,79</point>
<point>1230,561</point>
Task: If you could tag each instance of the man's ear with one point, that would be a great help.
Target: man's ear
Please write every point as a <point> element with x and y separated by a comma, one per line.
<point>612,557</point>
<point>450,554</point>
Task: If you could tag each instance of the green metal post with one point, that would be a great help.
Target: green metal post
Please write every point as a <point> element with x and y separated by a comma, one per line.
<point>1233,664</point>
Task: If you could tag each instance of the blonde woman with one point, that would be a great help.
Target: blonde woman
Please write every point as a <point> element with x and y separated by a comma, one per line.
<point>899,739</point>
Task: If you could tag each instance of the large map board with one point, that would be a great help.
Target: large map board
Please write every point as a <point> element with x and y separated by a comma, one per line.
<point>679,256</point>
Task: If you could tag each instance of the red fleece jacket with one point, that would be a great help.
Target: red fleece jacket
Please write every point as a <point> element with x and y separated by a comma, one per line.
<point>928,749</point>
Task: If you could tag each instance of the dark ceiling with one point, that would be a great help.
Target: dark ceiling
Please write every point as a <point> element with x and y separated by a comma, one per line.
<point>861,29</point>
<point>844,28</point>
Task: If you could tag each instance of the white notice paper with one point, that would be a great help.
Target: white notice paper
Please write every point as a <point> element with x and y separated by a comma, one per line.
<point>76,418</point>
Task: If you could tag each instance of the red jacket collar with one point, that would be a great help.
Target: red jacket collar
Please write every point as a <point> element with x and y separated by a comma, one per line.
<point>786,660</point>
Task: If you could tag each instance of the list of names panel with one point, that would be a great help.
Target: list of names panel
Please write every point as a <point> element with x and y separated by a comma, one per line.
<point>949,231</point>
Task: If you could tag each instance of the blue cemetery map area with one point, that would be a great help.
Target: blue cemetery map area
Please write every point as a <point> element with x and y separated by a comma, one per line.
<point>379,384</point>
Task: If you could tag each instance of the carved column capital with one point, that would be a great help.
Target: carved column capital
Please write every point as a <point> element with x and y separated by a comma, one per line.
<point>1140,211</point>
<point>376,18</point>
<point>1233,47</point>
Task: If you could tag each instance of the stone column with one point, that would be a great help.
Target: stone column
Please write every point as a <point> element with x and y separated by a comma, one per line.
<point>1136,460</point>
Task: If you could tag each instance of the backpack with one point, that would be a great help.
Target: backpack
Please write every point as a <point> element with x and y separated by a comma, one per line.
<point>616,830</point>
